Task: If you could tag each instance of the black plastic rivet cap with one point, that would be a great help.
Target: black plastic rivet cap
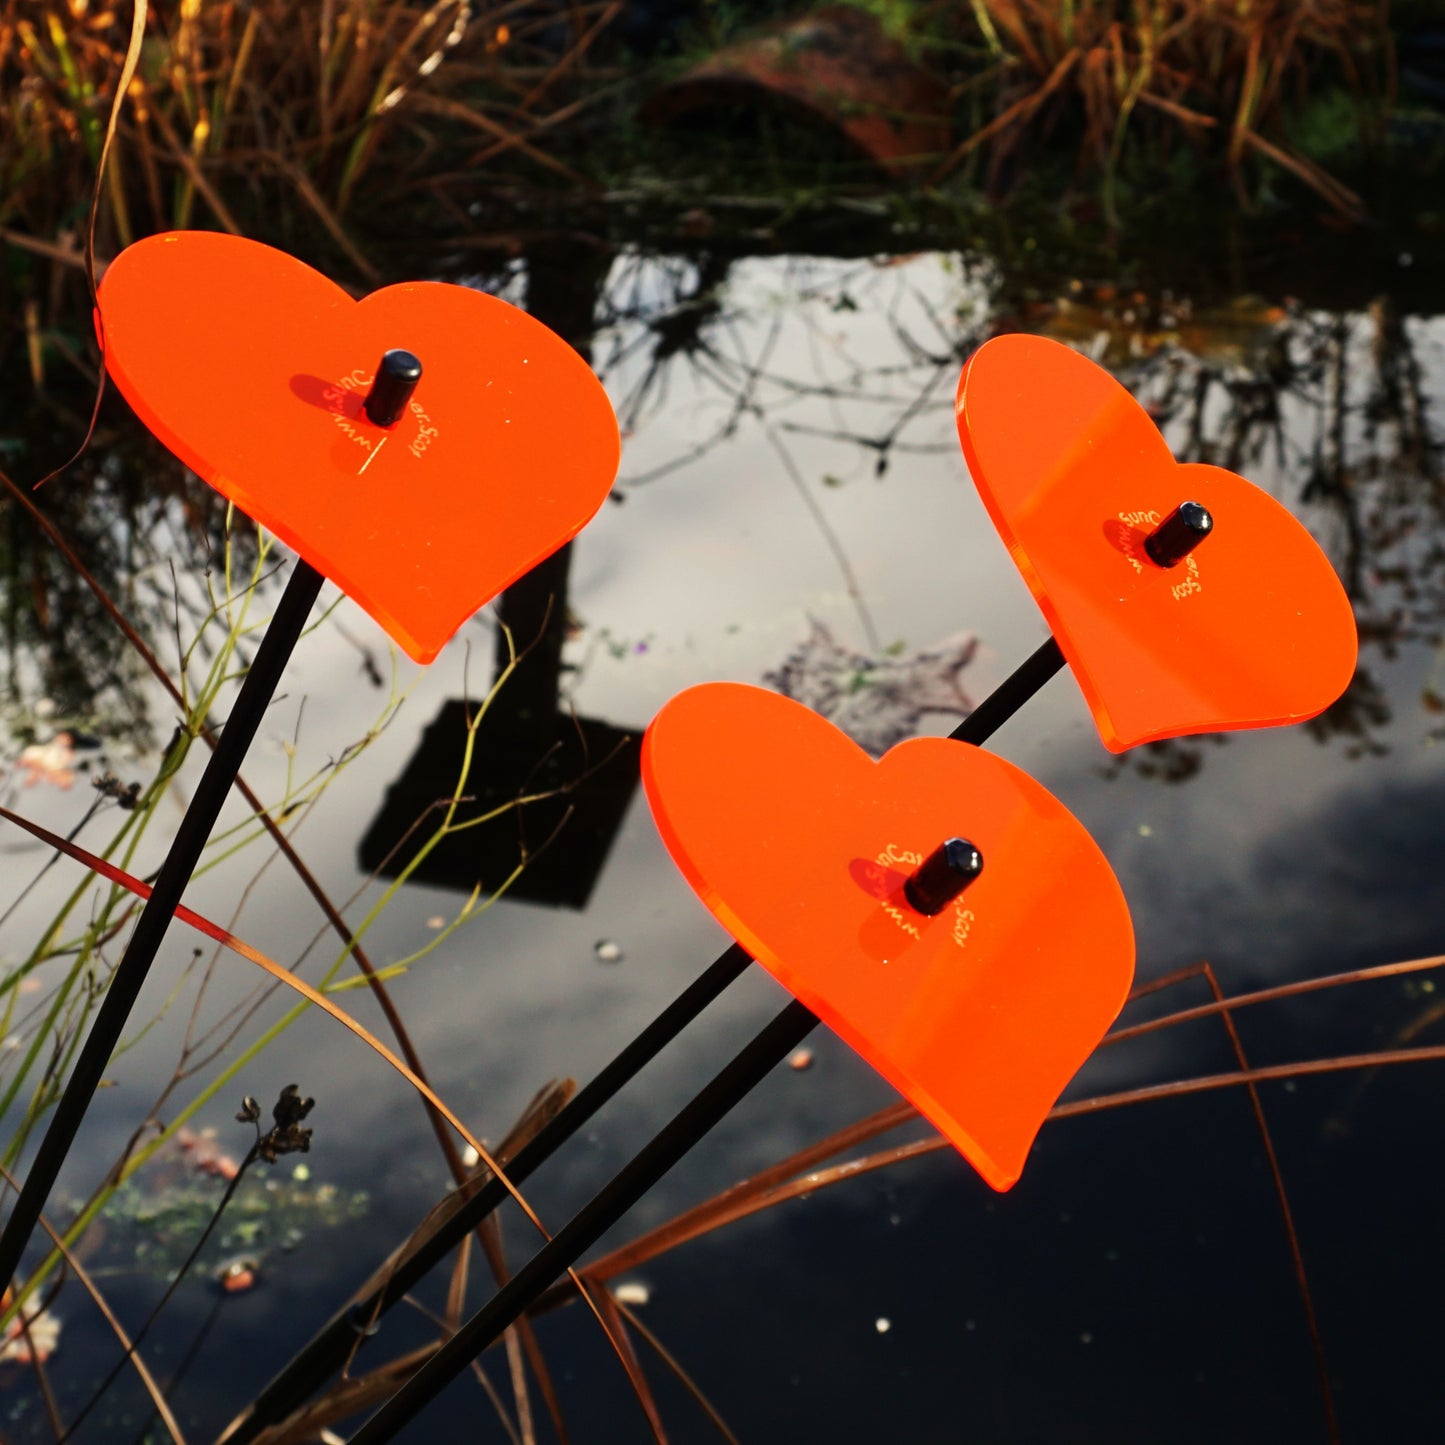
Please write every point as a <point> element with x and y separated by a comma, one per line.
<point>396,379</point>
<point>942,876</point>
<point>1178,534</point>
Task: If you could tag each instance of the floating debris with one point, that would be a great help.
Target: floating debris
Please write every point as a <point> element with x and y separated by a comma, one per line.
<point>608,951</point>
<point>882,1324</point>
<point>877,701</point>
<point>49,762</point>
<point>1117,327</point>
<point>153,1219</point>
<point>800,1059</point>
<point>35,1345</point>
<point>238,1275</point>
<point>206,1154</point>
<point>632,1292</point>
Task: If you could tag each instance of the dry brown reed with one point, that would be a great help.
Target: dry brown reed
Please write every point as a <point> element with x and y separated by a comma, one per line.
<point>268,117</point>
<point>1221,77</point>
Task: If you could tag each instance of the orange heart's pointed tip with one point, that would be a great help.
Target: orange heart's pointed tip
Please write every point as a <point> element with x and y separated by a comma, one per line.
<point>997,1179</point>
<point>1250,628</point>
<point>255,371</point>
<point>801,845</point>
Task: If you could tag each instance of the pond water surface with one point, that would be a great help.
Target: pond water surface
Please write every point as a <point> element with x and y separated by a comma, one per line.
<point>793,507</point>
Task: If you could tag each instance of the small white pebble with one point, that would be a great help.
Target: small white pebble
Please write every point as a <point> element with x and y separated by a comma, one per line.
<point>632,1292</point>
<point>882,1325</point>
<point>608,951</point>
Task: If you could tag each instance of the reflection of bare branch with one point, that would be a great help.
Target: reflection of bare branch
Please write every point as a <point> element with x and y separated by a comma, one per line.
<point>1333,411</point>
<point>835,546</point>
<point>693,319</point>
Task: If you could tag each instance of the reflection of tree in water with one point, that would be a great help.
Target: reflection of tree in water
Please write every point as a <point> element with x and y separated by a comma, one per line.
<point>144,528</point>
<point>1330,412</point>
<point>680,311</point>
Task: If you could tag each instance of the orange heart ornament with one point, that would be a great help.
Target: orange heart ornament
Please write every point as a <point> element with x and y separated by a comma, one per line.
<point>1251,629</point>
<point>800,844</point>
<point>252,368</point>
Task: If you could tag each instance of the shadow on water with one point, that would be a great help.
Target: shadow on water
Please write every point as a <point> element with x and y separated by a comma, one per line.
<point>584,768</point>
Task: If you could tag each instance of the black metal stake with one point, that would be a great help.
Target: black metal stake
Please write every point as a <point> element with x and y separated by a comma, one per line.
<point>328,1349</point>
<point>185,851</point>
<point>748,1069</point>
<point>951,868</point>
<point>955,857</point>
<point>1010,695</point>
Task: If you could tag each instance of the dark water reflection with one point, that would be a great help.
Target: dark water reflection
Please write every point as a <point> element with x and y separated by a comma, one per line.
<point>790,464</point>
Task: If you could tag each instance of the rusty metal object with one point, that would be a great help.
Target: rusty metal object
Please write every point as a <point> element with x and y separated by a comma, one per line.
<point>835,66</point>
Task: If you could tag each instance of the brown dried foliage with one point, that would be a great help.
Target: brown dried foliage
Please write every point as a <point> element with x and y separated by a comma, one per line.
<point>1172,72</point>
<point>262,116</point>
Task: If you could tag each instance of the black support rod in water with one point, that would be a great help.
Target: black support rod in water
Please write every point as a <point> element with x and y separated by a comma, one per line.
<point>329,1348</point>
<point>1010,695</point>
<point>185,851</point>
<point>748,1069</point>
<point>768,1049</point>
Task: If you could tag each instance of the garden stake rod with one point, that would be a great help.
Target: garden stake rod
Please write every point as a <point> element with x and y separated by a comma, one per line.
<point>628,1185</point>
<point>329,1348</point>
<point>396,377</point>
<point>727,1088</point>
<point>942,876</point>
